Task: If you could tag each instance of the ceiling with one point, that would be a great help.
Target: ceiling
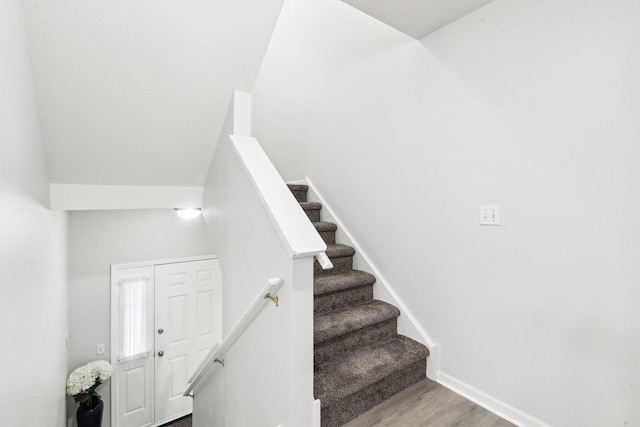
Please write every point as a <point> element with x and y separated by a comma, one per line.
<point>417,18</point>
<point>135,92</point>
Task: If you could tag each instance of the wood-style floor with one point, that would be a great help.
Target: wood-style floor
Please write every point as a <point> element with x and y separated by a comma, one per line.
<point>425,404</point>
<point>428,404</point>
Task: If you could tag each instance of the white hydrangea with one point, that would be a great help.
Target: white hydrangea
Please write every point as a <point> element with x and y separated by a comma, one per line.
<point>85,377</point>
<point>101,369</point>
<point>81,379</point>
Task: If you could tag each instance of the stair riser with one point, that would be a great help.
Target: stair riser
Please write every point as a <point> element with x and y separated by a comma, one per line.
<point>341,299</point>
<point>313,214</point>
<point>300,195</point>
<point>329,237</point>
<point>340,265</point>
<point>347,343</point>
<point>350,407</point>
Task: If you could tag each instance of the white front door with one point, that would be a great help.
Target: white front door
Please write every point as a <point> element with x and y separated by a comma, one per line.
<point>183,321</point>
<point>186,327</point>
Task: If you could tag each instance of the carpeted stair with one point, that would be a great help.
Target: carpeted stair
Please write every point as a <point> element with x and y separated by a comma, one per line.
<point>359,358</point>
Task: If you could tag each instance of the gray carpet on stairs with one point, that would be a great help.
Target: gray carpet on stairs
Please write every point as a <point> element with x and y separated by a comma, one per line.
<point>299,192</point>
<point>337,300</point>
<point>359,358</point>
<point>341,257</point>
<point>348,280</point>
<point>337,323</point>
<point>327,231</point>
<point>343,376</point>
<point>333,292</point>
<point>312,210</point>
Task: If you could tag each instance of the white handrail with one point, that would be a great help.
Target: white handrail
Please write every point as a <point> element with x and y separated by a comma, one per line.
<point>324,261</point>
<point>296,231</point>
<point>268,294</point>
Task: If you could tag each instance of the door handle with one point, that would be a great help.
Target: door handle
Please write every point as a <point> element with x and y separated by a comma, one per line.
<point>161,353</point>
<point>160,331</point>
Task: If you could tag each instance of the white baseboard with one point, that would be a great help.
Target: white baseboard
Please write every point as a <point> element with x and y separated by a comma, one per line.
<point>316,413</point>
<point>298,182</point>
<point>490,403</point>
<point>407,323</point>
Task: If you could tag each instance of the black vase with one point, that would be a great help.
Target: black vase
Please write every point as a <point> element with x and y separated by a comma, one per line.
<point>90,416</point>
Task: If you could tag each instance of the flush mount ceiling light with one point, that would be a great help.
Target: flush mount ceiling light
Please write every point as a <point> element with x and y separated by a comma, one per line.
<point>188,213</point>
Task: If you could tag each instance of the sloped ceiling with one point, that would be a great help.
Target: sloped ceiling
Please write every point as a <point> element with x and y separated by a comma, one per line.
<point>134,92</point>
<point>417,18</point>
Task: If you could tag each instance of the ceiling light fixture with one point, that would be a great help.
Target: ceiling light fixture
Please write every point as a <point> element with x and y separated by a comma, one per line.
<point>188,213</point>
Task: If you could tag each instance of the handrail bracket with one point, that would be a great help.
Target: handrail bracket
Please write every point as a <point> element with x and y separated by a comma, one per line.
<point>275,299</point>
<point>220,361</point>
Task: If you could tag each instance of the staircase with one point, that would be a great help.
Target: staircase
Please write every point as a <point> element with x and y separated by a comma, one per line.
<point>359,358</point>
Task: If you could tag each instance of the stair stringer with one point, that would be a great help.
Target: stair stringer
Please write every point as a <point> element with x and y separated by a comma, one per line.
<point>407,323</point>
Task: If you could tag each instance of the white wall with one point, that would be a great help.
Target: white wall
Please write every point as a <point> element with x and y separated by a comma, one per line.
<point>79,197</point>
<point>531,105</point>
<point>268,375</point>
<point>98,239</point>
<point>33,311</point>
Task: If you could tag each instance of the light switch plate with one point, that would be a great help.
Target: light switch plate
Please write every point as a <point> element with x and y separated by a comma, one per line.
<point>100,348</point>
<point>490,215</point>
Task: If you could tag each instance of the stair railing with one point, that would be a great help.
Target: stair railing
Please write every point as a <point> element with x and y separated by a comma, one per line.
<point>324,261</point>
<point>217,353</point>
<point>292,225</point>
<point>259,230</point>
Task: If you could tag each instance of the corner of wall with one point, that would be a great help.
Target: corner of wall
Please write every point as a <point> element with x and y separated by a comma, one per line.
<point>241,113</point>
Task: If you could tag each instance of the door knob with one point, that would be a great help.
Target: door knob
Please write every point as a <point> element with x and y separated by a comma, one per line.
<point>160,331</point>
<point>161,353</point>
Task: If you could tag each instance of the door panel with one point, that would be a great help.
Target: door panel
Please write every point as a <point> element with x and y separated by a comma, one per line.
<point>135,392</point>
<point>134,382</point>
<point>188,313</point>
<point>177,320</point>
<point>179,376</point>
<point>204,309</point>
<point>208,310</point>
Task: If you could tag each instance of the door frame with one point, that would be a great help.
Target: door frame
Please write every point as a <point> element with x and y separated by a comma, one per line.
<point>114,319</point>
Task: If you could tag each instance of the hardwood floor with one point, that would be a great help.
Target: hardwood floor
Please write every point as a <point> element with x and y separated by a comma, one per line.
<point>425,404</point>
<point>428,404</point>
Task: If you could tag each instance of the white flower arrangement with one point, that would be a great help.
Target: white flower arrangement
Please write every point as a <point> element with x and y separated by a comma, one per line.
<point>83,381</point>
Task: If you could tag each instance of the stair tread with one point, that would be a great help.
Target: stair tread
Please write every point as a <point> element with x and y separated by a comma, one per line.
<point>343,321</point>
<point>340,282</point>
<point>338,250</point>
<point>311,206</point>
<point>298,187</point>
<point>355,371</point>
<point>325,226</point>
